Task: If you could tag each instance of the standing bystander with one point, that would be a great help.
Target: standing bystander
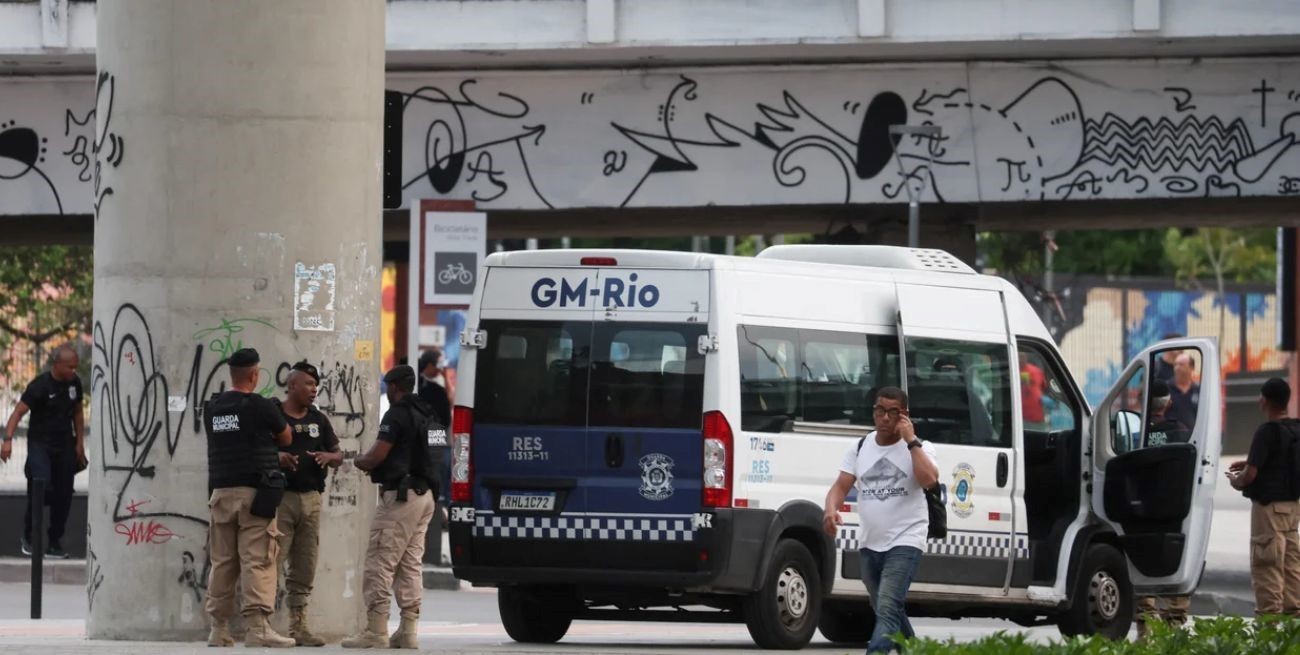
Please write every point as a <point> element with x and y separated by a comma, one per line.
<point>1266,477</point>
<point>56,445</point>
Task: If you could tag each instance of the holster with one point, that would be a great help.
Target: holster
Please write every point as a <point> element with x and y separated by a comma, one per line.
<point>403,486</point>
<point>270,491</point>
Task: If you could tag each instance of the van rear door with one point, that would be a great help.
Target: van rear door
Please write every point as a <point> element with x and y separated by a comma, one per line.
<point>530,397</point>
<point>1155,467</point>
<point>644,448</point>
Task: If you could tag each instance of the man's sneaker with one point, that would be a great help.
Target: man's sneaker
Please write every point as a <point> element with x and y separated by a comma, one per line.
<point>55,551</point>
<point>26,546</point>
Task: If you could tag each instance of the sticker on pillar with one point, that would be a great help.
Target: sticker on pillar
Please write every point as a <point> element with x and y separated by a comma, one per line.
<point>365,350</point>
<point>313,297</point>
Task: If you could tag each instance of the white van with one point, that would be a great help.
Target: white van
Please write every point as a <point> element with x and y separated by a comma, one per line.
<point>650,436</point>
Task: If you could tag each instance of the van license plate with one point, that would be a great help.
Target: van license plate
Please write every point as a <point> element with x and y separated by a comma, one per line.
<point>528,502</point>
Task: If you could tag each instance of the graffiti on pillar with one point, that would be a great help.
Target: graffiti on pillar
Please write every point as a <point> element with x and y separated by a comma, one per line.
<point>130,398</point>
<point>341,395</point>
<point>138,532</point>
<point>95,576</point>
<point>108,147</point>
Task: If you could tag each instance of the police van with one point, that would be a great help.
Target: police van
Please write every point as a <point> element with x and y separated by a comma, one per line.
<point>650,436</point>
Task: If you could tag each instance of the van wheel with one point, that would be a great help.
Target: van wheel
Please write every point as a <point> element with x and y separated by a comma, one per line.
<point>845,625</point>
<point>783,613</point>
<point>534,616</point>
<point>1102,602</point>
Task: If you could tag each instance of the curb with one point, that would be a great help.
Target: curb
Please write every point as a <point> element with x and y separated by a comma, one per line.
<point>73,572</point>
<point>57,571</point>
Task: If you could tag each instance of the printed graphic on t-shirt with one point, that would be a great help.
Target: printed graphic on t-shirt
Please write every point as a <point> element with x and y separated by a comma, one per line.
<point>884,480</point>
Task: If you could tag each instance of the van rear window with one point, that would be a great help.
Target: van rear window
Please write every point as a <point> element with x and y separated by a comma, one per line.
<point>635,375</point>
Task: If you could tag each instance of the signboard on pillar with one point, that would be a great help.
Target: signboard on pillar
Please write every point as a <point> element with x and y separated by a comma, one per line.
<point>448,244</point>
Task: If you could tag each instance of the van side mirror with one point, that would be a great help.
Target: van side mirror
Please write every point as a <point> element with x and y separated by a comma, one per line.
<point>1126,430</point>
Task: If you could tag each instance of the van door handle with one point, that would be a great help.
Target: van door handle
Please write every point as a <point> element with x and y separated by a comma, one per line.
<point>1004,469</point>
<point>614,450</point>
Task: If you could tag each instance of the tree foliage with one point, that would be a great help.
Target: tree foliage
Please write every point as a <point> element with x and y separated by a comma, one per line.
<point>45,297</point>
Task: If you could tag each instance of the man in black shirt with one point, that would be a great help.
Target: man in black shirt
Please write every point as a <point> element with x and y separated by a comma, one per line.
<point>401,464</point>
<point>1265,478</point>
<point>315,447</point>
<point>243,470</point>
<point>431,389</point>
<point>56,444</point>
<point>1161,428</point>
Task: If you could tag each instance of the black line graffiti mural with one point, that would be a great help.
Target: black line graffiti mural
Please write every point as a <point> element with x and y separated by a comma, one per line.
<point>22,152</point>
<point>594,139</point>
<point>108,147</point>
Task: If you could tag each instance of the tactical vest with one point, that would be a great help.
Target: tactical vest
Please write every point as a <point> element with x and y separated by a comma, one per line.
<point>240,448</point>
<point>411,454</point>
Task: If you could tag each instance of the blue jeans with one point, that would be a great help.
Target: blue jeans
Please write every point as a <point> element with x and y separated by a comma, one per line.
<point>887,576</point>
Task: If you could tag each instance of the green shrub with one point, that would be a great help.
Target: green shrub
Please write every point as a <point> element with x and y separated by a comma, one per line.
<point>1217,636</point>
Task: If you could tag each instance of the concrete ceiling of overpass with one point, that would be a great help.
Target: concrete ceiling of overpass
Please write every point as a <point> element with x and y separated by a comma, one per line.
<point>83,63</point>
<point>801,219</point>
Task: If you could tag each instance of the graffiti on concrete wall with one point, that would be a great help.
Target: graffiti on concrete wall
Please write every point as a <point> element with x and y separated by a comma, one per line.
<point>781,135</point>
<point>1107,325</point>
<point>821,135</point>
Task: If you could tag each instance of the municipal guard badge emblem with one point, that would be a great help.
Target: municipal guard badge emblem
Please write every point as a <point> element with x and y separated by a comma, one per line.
<point>314,431</point>
<point>963,490</point>
<point>72,393</point>
<point>656,476</point>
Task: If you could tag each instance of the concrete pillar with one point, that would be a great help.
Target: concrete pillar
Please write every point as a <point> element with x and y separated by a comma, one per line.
<point>237,157</point>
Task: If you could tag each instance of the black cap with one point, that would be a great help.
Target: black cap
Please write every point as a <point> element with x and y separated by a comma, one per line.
<point>1159,389</point>
<point>1277,391</point>
<point>401,373</point>
<point>309,369</point>
<point>245,357</point>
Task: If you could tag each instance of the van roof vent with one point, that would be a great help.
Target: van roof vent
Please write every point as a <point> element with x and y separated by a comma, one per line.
<point>917,259</point>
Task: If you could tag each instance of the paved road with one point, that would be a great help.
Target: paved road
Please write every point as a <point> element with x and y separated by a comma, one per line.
<point>454,622</point>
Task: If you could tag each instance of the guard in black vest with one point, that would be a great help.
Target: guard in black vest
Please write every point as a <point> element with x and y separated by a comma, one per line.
<point>401,463</point>
<point>305,463</point>
<point>244,430</point>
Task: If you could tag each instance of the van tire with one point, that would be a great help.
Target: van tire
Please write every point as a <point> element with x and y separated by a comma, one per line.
<point>782,614</point>
<point>1102,598</point>
<point>847,625</point>
<point>531,616</point>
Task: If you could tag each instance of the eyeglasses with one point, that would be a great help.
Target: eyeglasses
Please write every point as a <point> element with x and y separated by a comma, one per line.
<point>892,412</point>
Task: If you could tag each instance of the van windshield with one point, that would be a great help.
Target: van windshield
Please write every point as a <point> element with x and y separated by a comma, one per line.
<point>639,375</point>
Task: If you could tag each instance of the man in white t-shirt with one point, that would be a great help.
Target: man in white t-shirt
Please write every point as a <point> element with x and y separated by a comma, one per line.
<point>891,468</point>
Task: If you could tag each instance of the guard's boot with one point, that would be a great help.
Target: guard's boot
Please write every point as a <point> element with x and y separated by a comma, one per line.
<point>298,628</point>
<point>406,635</point>
<point>373,636</point>
<point>261,635</point>
<point>219,636</point>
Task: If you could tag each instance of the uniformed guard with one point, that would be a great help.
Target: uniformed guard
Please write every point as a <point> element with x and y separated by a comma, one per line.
<point>401,464</point>
<point>244,476</point>
<point>305,463</point>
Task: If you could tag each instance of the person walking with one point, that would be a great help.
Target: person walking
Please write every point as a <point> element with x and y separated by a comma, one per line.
<point>892,468</point>
<point>401,463</point>
<point>243,431</point>
<point>1266,477</point>
<point>305,464</point>
<point>56,445</point>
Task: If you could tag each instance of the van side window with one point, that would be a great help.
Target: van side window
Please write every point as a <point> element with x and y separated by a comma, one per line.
<point>769,392</point>
<point>837,371</point>
<point>959,392</point>
<point>1044,405</point>
<point>817,376</point>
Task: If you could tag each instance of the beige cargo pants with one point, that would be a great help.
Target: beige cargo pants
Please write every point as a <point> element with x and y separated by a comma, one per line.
<point>299,523</point>
<point>395,556</point>
<point>1275,557</point>
<point>244,550</point>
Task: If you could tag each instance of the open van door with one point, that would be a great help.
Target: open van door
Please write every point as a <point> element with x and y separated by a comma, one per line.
<point>1155,463</point>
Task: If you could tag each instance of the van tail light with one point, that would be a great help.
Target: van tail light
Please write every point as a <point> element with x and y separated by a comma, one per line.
<point>462,467</point>
<point>718,443</point>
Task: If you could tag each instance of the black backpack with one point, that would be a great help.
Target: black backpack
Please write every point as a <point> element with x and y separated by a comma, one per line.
<point>934,503</point>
